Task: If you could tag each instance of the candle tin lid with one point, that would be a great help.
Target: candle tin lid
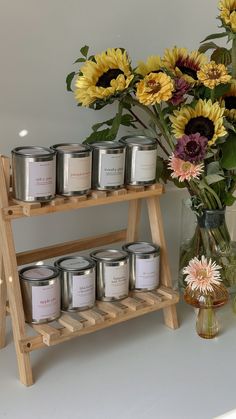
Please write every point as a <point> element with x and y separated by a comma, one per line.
<point>68,148</point>
<point>109,255</point>
<point>74,263</point>
<point>33,151</point>
<point>141,248</point>
<point>112,145</point>
<point>138,140</point>
<point>38,272</point>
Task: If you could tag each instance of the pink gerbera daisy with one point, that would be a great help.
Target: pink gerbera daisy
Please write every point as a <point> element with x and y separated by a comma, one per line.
<point>184,170</point>
<point>202,274</point>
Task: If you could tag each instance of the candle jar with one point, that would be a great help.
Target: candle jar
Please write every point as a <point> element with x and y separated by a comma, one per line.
<point>112,274</point>
<point>41,293</point>
<point>108,165</point>
<point>33,173</point>
<point>73,174</point>
<point>144,259</point>
<point>141,160</point>
<point>77,276</point>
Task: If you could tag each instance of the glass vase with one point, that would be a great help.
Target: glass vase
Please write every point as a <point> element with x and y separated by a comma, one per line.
<point>209,235</point>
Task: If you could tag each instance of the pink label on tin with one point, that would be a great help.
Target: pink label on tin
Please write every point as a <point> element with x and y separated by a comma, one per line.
<point>46,301</point>
<point>42,177</point>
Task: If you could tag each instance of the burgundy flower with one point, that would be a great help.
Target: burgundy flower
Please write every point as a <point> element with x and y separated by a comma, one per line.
<point>191,148</point>
<point>181,88</point>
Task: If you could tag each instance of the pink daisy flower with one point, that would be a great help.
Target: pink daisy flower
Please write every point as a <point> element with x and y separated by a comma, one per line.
<point>202,274</point>
<point>184,170</point>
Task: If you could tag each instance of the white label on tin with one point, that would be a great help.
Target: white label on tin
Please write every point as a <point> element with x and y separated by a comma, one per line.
<point>38,273</point>
<point>147,272</point>
<point>116,280</point>
<point>83,290</point>
<point>46,301</point>
<point>42,178</point>
<point>79,178</point>
<point>141,247</point>
<point>145,165</point>
<point>112,169</point>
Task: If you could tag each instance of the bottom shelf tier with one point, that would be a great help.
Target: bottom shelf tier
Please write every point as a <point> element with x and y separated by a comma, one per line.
<point>103,315</point>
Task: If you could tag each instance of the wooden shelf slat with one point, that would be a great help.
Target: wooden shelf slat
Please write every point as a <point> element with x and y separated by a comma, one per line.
<point>52,336</point>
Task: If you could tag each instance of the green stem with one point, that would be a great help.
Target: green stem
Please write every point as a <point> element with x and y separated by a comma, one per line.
<point>234,58</point>
<point>164,125</point>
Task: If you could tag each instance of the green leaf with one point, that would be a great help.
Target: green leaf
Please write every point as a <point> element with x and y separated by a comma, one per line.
<point>208,45</point>
<point>213,179</point>
<point>80,60</point>
<point>103,135</point>
<point>228,160</point>
<point>221,89</point>
<point>84,50</point>
<point>213,168</point>
<point>69,79</point>
<point>214,36</point>
<point>229,199</point>
<point>222,56</point>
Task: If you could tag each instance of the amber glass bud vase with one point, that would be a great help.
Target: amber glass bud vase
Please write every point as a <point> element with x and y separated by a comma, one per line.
<point>207,325</point>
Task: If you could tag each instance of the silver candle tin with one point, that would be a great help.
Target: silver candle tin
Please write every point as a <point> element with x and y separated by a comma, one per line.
<point>141,160</point>
<point>73,174</point>
<point>108,165</point>
<point>34,173</point>
<point>112,274</point>
<point>41,293</point>
<point>78,282</point>
<point>144,261</point>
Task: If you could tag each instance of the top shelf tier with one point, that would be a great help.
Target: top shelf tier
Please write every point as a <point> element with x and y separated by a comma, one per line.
<point>19,209</point>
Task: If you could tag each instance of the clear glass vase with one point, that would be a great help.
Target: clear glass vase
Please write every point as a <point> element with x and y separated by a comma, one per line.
<point>211,235</point>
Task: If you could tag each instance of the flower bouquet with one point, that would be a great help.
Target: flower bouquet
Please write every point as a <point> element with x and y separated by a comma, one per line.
<point>187,102</point>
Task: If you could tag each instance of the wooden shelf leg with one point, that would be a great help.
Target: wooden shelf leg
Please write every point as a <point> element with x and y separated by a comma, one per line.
<point>133,220</point>
<point>3,299</point>
<point>158,237</point>
<point>12,283</point>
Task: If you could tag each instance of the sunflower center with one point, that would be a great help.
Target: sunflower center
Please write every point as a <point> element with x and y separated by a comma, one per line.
<point>154,86</point>
<point>106,78</point>
<point>204,126</point>
<point>192,148</point>
<point>189,71</point>
<point>214,74</point>
<point>230,102</point>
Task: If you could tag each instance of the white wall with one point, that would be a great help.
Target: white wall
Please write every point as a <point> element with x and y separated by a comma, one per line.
<point>39,42</point>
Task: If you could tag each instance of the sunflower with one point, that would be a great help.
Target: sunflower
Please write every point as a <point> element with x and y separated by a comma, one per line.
<point>154,88</point>
<point>228,13</point>
<point>153,65</point>
<point>212,74</point>
<point>183,63</point>
<point>229,102</point>
<point>206,118</point>
<point>108,75</point>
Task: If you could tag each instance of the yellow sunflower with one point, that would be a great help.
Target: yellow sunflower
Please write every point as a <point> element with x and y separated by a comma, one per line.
<point>154,88</point>
<point>229,102</point>
<point>109,74</point>
<point>228,13</point>
<point>153,65</point>
<point>212,74</point>
<point>206,118</point>
<point>183,63</point>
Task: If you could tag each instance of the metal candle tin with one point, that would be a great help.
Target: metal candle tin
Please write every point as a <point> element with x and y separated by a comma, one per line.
<point>41,293</point>
<point>144,265</point>
<point>73,174</point>
<point>141,160</point>
<point>77,275</point>
<point>34,173</point>
<point>112,278</point>
<point>108,165</point>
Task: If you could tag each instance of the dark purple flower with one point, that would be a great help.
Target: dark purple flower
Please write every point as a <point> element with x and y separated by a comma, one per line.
<point>191,148</point>
<point>181,88</point>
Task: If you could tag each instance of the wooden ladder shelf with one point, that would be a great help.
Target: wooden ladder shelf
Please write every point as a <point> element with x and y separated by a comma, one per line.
<point>104,314</point>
